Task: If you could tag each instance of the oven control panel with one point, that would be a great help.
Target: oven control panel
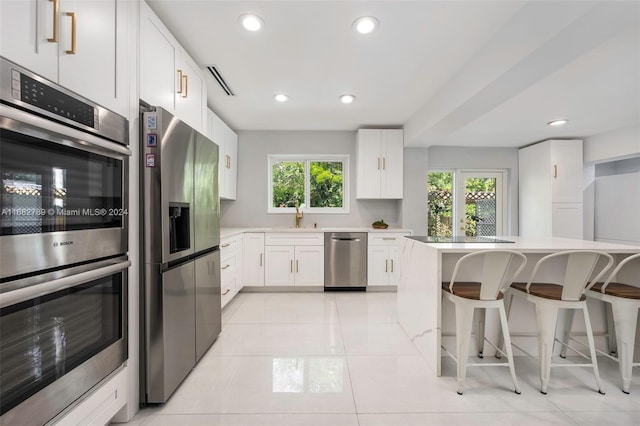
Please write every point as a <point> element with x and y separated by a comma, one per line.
<point>38,94</point>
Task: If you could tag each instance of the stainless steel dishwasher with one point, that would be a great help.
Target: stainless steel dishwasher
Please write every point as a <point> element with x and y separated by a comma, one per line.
<point>345,260</point>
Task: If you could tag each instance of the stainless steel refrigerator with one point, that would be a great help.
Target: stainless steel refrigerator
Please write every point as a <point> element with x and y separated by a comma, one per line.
<point>181,234</point>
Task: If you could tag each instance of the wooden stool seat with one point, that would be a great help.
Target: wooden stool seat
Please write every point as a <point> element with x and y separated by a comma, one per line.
<point>544,290</point>
<point>467,290</point>
<point>618,290</point>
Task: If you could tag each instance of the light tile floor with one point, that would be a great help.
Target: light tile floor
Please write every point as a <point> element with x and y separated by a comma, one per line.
<point>333,359</point>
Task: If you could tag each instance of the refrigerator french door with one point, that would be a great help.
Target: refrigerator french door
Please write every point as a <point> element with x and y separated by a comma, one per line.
<point>181,228</point>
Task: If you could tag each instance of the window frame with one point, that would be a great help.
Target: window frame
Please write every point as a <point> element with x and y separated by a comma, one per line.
<point>307,159</point>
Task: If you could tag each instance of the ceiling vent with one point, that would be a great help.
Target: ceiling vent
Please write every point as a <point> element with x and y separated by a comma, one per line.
<point>218,77</point>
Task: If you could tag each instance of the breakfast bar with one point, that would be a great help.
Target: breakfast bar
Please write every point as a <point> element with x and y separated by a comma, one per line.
<point>428,261</point>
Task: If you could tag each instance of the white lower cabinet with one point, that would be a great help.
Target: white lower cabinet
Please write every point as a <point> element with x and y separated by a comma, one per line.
<point>230,268</point>
<point>294,259</point>
<point>384,258</point>
<point>253,260</point>
<point>102,404</point>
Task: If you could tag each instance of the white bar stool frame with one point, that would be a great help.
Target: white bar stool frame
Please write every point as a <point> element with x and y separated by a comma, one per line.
<point>581,265</point>
<point>625,321</point>
<point>487,293</point>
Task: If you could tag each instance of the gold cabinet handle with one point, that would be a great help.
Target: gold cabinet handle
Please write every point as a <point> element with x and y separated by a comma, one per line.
<point>384,163</point>
<point>260,259</point>
<point>388,238</point>
<point>297,267</point>
<point>292,265</point>
<point>179,81</point>
<point>555,170</point>
<point>73,33</point>
<point>386,265</point>
<point>225,266</point>
<point>56,15</point>
<point>226,291</point>
<point>226,245</point>
<point>228,161</point>
<point>186,86</point>
<point>391,265</point>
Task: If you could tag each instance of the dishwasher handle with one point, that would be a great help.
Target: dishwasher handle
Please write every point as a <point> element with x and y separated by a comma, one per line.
<point>345,239</point>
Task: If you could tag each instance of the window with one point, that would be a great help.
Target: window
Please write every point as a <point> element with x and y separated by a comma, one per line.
<point>318,183</point>
<point>465,203</point>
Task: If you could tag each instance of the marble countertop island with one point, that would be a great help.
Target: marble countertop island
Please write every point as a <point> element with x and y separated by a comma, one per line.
<point>427,264</point>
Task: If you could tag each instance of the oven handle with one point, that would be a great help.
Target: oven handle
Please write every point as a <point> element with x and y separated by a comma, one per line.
<point>33,125</point>
<point>31,292</point>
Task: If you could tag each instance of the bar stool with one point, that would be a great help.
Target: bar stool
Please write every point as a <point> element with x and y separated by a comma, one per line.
<point>493,279</point>
<point>624,300</point>
<point>569,293</point>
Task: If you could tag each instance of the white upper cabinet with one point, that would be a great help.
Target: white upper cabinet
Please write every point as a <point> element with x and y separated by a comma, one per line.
<point>227,140</point>
<point>77,44</point>
<point>550,189</point>
<point>169,77</point>
<point>379,163</point>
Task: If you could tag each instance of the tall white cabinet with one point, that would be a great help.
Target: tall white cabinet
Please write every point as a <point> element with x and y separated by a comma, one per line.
<point>550,189</point>
<point>78,45</point>
<point>379,163</point>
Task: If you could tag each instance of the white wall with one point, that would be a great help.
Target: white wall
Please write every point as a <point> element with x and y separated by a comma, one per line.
<point>617,201</point>
<point>414,204</point>
<point>442,157</point>
<point>250,208</point>
<point>612,159</point>
<point>617,144</point>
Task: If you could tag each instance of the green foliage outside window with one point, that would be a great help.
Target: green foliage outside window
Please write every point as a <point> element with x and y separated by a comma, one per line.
<point>325,184</point>
<point>440,204</point>
<point>288,183</point>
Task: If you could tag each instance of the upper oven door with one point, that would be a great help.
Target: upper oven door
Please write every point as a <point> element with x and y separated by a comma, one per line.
<point>63,197</point>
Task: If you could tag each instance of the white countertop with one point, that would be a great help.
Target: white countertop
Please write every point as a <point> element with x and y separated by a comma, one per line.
<point>534,245</point>
<point>230,232</point>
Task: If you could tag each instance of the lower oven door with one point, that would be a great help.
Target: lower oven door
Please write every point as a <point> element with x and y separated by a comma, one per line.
<point>59,337</point>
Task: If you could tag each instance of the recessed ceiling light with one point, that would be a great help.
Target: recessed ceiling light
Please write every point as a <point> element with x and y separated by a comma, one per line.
<point>347,99</point>
<point>281,97</point>
<point>251,22</point>
<point>558,122</point>
<point>366,24</point>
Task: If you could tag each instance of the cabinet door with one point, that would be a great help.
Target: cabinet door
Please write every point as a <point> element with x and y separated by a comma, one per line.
<point>392,147</point>
<point>394,265</point>
<point>216,132</point>
<point>158,55</point>
<point>566,160</point>
<point>253,259</point>
<point>231,164</point>
<point>368,163</point>
<point>567,220</point>
<point>309,265</point>
<point>189,103</point>
<point>93,68</point>
<point>25,27</point>
<point>377,265</point>
<point>278,265</point>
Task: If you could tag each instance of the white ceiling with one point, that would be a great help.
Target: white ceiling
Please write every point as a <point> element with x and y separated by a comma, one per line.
<point>458,73</point>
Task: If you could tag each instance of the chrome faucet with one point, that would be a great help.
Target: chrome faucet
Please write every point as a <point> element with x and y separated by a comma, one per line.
<point>299,215</point>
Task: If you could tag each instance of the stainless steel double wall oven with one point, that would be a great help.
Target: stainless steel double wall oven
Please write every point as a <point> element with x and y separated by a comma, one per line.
<point>63,245</point>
